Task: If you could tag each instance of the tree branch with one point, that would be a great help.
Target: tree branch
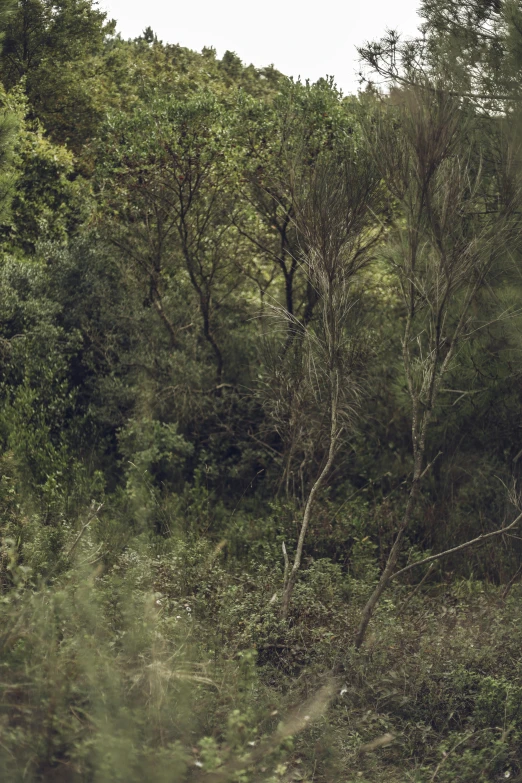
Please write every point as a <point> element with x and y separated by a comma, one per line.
<point>479,540</point>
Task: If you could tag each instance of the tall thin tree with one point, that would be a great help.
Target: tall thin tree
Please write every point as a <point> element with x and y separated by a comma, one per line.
<point>333,207</point>
<point>454,221</point>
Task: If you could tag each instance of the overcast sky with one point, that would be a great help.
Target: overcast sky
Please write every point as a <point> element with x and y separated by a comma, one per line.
<point>300,37</point>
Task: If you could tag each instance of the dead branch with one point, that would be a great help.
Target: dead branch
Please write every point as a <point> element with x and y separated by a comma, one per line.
<point>84,527</point>
<point>478,540</point>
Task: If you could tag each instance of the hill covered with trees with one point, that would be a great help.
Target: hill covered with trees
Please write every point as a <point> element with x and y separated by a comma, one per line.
<point>260,407</point>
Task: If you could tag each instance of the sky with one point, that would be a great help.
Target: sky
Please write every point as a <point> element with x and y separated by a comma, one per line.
<point>301,38</point>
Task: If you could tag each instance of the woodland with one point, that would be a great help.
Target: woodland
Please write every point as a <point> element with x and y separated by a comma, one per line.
<point>260,407</point>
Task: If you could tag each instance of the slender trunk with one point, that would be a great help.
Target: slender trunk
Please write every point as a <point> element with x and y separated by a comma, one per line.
<point>204,293</point>
<point>419,429</point>
<point>312,297</point>
<point>209,336</point>
<point>289,289</point>
<point>289,585</point>
<point>420,424</point>
<point>288,273</point>
<point>158,306</point>
<point>387,574</point>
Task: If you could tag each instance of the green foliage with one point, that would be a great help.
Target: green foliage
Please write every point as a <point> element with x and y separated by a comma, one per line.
<point>57,49</point>
<point>157,444</point>
<point>153,447</point>
<point>50,201</point>
<point>9,136</point>
<point>130,666</point>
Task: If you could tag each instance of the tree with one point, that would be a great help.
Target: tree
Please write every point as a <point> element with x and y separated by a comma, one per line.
<point>168,187</point>
<point>455,223</point>
<point>56,48</point>
<point>302,122</point>
<point>334,205</point>
<point>50,200</point>
<point>475,45</point>
<point>9,130</point>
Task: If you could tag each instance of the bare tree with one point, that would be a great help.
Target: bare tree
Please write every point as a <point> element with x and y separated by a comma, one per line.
<point>333,213</point>
<point>454,221</point>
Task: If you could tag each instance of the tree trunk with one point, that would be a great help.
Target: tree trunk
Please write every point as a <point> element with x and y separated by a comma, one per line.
<point>387,574</point>
<point>288,587</point>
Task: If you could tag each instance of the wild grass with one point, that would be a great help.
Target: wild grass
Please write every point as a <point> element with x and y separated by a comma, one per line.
<point>167,661</point>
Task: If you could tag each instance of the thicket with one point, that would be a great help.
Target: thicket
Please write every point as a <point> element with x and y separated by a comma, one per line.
<point>259,407</point>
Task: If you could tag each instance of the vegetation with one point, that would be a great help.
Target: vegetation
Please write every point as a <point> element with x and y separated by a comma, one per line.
<point>260,502</point>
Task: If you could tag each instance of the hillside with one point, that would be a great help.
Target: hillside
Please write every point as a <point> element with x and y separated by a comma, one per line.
<point>260,408</point>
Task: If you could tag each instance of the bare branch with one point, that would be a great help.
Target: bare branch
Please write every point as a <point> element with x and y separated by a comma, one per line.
<point>478,540</point>
<point>84,527</point>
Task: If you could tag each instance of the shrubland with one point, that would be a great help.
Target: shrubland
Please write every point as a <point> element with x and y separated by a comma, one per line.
<point>259,408</point>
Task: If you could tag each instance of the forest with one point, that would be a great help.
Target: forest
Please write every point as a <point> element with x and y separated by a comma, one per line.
<point>260,407</point>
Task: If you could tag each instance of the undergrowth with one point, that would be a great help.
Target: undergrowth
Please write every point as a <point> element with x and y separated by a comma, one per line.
<point>165,659</point>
